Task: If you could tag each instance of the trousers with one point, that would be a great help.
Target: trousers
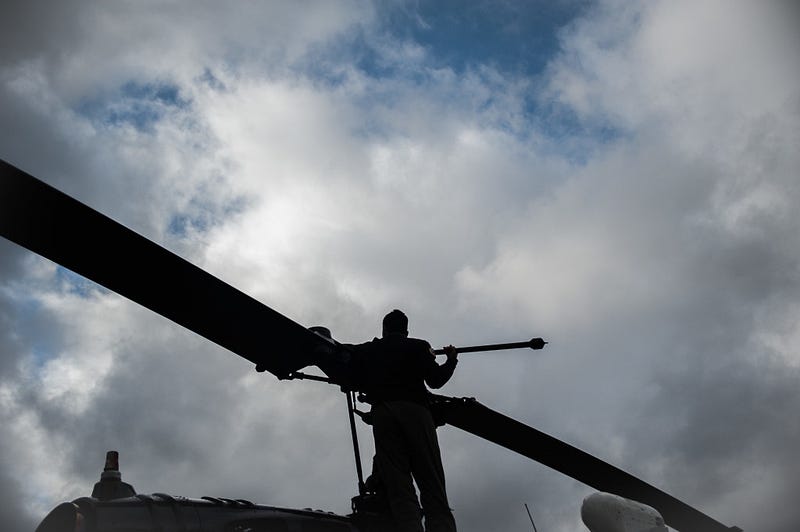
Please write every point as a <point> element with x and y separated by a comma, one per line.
<point>406,446</point>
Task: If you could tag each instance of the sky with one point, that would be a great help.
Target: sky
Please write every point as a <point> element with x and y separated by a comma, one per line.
<point>620,178</point>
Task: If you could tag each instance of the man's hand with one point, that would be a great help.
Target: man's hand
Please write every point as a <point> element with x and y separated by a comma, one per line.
<point>451,352</point>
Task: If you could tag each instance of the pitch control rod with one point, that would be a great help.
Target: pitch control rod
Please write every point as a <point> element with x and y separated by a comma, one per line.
<point>534,343</point>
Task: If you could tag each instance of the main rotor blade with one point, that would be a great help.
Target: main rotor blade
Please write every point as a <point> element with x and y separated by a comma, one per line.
<point>60,228</point>
<point>471,416</point>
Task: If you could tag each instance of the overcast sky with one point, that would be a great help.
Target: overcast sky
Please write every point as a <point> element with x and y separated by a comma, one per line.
<point>621,178</point>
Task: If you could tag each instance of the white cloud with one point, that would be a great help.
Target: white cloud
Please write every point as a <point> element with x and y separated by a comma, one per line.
<point>663,268</point>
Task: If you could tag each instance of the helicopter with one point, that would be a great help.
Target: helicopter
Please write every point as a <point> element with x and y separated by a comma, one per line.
<point>54,225</point>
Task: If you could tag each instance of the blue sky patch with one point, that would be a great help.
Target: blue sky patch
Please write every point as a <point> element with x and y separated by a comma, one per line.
<point>512,37</point>
<point>181,224</point>
<point>501,44</point>
<point>200,216</point>
<point>208,78</point>
<point>140,105</point>
<point>76,284</point>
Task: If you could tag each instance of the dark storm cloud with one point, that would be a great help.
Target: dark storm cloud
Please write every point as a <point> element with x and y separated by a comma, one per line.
<point>29,29</point>
<point>736,421</point>
<point>492,485</point>
<point>14,517</point>
<point>723,400</point>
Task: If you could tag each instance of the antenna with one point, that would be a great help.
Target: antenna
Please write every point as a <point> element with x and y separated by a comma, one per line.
<point>530,517</point>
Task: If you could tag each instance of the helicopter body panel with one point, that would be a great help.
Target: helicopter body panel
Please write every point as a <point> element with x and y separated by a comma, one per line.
<point>164,513</point>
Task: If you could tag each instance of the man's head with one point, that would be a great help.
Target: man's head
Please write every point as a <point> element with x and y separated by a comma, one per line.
<point>395,323</point>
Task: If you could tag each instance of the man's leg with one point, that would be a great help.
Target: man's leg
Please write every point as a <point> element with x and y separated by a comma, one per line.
<point>426,466</point>
<point>394,468</point>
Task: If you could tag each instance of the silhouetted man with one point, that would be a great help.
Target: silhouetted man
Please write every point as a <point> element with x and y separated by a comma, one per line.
<point>397,369</point>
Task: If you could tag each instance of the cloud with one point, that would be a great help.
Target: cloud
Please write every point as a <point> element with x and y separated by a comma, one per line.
<point>633,204</point>
<point>679,236</point>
